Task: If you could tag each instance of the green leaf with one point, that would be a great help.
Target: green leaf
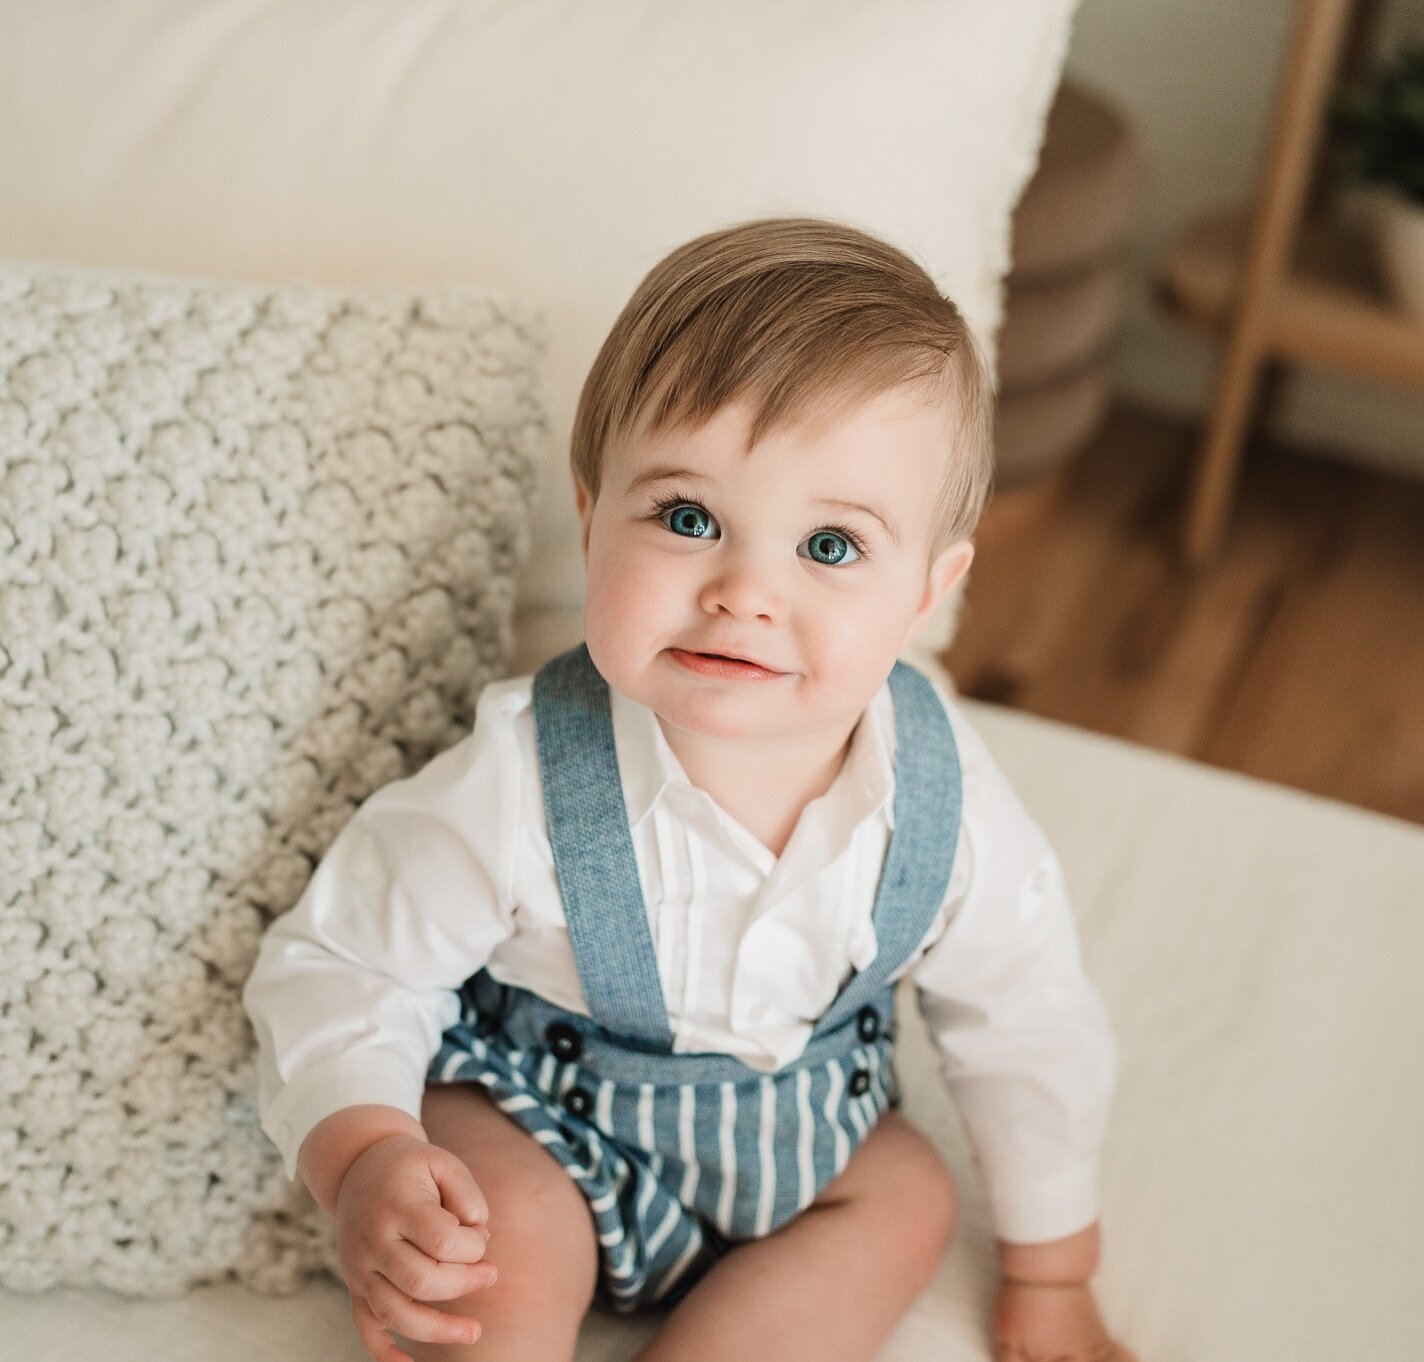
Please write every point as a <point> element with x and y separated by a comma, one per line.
<point>1380,123</point>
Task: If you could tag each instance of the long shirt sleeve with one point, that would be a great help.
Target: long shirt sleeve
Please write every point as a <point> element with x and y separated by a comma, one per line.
<point>1022,1036</point>
<point>353,987</point>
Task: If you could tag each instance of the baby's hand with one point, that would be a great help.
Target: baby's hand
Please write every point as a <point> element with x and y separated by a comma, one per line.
<point>1051,1323</point>
<point>410,1228</point>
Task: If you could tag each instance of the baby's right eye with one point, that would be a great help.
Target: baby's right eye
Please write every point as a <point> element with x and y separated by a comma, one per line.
<point>687,518</point>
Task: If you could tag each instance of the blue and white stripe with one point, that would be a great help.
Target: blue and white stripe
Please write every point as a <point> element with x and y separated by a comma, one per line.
<point>670,1195</point>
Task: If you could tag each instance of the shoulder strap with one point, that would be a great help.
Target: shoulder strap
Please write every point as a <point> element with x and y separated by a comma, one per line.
<point>915,876</point>
<point>593,850</point>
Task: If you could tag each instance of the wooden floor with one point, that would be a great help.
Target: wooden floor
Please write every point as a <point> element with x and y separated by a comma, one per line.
<point>1297,657</point>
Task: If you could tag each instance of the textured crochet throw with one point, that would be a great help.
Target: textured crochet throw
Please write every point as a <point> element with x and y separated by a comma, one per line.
<point>257,558</point>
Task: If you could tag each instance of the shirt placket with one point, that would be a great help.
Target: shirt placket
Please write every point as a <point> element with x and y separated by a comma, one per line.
<point>696,917</point>
<point>669,890</point>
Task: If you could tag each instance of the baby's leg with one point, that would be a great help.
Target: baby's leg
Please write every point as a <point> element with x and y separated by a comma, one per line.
<point>542,1236</point>
<point>831,1285</point>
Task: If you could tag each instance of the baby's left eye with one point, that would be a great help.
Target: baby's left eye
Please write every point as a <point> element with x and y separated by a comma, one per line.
<point>826,546</point>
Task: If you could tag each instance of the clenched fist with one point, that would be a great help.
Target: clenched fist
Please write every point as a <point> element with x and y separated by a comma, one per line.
<point>411,1227</point>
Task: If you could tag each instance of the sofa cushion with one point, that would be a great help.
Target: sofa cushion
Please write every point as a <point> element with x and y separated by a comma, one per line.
<point>259,550</point>
<point>556,146</point>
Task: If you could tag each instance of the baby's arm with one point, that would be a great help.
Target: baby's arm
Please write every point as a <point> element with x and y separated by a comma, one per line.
<point>348,999</point>
<point>352,989</point>
<point>1026,1049</point>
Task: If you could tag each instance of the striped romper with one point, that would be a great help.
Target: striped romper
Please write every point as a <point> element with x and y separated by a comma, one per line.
<point>682,1155</point>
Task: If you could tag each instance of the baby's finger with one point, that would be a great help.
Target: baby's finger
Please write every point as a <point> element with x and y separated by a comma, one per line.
<point>374,1338</point>
<point>435,1231</point>
<point>459,1192</point>
<point>423,1323</point>
<point>424,1279</point>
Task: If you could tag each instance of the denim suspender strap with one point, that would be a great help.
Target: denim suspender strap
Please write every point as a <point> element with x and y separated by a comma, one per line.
<point>593,850</point>
<point>915,877</point>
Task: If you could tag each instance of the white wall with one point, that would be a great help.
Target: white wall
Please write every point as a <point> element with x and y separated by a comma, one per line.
<point>1197,78</point>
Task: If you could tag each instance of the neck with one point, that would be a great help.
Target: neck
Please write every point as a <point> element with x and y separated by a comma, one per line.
<point>736,771</point>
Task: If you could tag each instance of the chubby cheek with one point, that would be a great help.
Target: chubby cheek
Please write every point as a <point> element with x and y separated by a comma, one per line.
<point>849,650</point>
<point>629,608</point>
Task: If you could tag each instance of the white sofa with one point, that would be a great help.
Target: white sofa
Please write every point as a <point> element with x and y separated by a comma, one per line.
<point>1259,950</point>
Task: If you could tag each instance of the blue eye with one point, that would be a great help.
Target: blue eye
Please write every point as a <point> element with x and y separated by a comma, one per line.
<point>826,546</point>
<point>688,519</point>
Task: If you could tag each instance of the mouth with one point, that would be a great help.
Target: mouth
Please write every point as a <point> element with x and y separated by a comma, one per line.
<point>722,664</point>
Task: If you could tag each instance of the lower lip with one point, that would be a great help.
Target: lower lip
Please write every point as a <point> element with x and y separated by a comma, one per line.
<point>724,667</point>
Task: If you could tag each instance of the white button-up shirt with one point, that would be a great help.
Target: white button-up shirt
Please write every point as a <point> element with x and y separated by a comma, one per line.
<point>449,871</point>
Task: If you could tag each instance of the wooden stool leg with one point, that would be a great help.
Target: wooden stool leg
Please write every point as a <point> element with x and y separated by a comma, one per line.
<point>1295,136</point>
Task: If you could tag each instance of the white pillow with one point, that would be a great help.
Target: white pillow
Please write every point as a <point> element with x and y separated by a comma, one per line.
<point>555,146</point>
<point>258,551</point>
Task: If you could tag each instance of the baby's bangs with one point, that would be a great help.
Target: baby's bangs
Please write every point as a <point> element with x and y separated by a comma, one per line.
<point>788,378</point>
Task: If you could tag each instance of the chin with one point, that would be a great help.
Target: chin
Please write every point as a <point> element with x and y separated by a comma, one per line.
<point>714,716</point>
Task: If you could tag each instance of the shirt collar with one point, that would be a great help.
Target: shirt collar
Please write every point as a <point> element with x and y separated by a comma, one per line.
<point>648,767</point>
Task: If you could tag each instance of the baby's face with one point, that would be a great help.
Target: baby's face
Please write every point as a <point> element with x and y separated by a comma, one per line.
<point>696,550</point>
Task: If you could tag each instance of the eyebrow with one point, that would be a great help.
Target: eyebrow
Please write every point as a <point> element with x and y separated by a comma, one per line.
<point>869,510</point>
<point>663,472</point>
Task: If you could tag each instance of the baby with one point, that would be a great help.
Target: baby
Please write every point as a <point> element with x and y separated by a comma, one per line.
<point>615,973</point>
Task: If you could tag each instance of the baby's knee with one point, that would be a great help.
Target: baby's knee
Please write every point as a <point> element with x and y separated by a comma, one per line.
<point>543,1238</point>
<point>936,1209</point>
<point>924,1197</point>
<point>543,1243</point>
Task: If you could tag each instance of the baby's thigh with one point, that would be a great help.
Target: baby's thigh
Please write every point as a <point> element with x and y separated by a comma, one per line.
<point>542,1234</point>
<point>899,1176</point>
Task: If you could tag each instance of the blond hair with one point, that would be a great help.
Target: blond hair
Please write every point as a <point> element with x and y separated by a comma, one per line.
<point>801,315</point>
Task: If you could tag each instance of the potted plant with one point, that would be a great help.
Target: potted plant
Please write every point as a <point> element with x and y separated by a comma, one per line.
<point>1381,124</point>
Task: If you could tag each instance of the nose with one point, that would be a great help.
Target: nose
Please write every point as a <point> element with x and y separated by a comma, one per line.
<point>742,588</point>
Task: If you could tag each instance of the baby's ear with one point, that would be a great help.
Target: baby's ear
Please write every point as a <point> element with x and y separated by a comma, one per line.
<point>944,575</point>
<point>583,501</point>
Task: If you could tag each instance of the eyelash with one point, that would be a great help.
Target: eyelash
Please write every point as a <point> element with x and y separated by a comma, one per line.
<point>664,504</point>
